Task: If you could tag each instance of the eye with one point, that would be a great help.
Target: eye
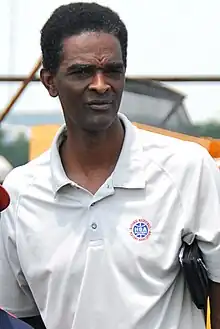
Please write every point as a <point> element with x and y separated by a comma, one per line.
<point>81,74</point>
<point>114,73</point>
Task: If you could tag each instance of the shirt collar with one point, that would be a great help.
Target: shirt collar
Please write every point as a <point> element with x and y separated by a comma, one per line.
<point>130,168</point>
<point>59,177</point>
<point>129,171</point>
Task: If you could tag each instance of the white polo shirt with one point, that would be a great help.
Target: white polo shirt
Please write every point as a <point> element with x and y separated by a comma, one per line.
<point>110,260</point>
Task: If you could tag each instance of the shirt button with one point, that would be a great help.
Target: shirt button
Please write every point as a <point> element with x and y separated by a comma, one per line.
<point>94,226</point>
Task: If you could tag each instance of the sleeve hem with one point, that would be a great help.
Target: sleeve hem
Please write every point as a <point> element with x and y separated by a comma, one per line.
<point>214,277</point>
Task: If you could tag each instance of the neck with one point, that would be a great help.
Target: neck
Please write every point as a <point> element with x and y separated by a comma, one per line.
<point>89,151</point>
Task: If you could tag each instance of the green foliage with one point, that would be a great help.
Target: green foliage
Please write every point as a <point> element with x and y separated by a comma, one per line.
<point>16,150</point>
<point>209,129</point>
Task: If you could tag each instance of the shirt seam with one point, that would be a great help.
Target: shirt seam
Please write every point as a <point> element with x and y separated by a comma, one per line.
<point>167,173</point>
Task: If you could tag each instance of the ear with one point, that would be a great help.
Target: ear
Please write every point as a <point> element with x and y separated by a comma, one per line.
<point>48,80</point>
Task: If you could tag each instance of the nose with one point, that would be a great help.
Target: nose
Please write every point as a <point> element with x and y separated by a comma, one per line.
<point>99,84</point>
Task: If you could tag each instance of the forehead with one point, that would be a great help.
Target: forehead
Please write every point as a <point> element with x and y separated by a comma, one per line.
<point>91,47</point>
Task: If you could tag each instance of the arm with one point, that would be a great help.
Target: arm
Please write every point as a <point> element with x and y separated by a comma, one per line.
<point>215,304</point>
<point>15,294</point>
<point>207,229</point>
<point>202,207</point>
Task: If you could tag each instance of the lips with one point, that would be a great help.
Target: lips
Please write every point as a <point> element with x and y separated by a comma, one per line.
<point>100,104</point>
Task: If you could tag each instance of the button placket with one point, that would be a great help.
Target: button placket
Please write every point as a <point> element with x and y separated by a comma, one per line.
<point>94,227</point>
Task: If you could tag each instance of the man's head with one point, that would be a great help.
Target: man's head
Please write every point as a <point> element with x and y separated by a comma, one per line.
<point>84,50</point>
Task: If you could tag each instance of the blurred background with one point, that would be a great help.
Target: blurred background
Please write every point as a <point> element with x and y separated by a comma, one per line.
<point>173,73</point>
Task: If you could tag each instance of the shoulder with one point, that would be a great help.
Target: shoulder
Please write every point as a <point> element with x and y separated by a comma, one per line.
<point>20,177</point>
<point>171,153</point>
<point>186,164</point>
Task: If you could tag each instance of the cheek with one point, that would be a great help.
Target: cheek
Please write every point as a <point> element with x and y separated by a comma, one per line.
<point>117,85</point>
<point>72,90</point>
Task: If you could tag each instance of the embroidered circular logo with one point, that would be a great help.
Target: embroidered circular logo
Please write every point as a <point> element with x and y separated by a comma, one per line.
<point>140,229</point>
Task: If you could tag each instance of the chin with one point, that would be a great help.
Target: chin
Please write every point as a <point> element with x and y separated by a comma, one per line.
<point>100,123</point>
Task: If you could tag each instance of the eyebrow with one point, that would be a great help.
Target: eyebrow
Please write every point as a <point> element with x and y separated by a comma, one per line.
<point>84,67</point>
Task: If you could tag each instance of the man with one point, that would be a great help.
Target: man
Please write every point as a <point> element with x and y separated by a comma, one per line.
<point>92,236</point>
<point>8,321</point>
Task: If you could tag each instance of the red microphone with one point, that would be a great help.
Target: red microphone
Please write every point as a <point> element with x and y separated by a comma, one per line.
<point>4,198</point>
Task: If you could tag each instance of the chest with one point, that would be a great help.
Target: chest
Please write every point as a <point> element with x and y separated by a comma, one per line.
<point>136,228</point>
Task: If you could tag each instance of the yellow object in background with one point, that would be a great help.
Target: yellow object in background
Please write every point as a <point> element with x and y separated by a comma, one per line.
<point>208,325</point>
<point>41,139</point>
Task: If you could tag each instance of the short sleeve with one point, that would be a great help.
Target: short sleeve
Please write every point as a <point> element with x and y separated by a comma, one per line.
<point>205,222</point>
<point>15,295</point>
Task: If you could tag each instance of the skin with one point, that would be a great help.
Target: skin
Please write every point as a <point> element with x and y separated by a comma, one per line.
<point>89,84</point>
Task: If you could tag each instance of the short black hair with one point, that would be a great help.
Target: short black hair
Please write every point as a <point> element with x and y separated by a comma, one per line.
<point>73,19</point>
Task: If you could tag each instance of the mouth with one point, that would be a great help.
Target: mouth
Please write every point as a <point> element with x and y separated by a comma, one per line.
<point>100,105</point>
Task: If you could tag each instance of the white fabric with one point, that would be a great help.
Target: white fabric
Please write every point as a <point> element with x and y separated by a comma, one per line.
<point>79,259</point>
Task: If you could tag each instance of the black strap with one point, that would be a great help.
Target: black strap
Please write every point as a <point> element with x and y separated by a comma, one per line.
<point>35,321</point>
